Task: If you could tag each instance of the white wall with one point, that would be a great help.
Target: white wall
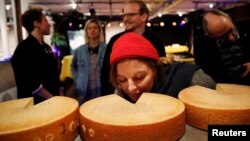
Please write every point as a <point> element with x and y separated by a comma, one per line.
<point>112,30</point>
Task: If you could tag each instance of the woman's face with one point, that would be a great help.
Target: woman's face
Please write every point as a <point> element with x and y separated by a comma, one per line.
<point>93,30</point>
<point>134,77</point>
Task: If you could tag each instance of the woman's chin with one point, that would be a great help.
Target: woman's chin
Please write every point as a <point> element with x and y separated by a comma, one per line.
<point>136,97</point>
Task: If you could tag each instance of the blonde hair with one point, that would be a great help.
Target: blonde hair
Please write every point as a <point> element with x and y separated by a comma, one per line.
<point>101,36</point>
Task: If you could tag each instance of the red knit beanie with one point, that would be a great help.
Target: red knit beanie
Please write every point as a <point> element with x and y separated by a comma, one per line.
<point>132,45</point>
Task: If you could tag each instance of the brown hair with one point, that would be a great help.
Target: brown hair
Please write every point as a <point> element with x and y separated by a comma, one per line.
<point>143,9</point>
<point>29,17</point>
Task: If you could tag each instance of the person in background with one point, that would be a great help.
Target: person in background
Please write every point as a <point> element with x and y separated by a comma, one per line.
<point>136,68</point>
<point>87,62</point>
<point>135,18</point>
<point>222,53</point>
<point>34,64</point>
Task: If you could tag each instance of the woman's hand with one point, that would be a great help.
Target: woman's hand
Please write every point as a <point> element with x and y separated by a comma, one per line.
<point>247,65</point>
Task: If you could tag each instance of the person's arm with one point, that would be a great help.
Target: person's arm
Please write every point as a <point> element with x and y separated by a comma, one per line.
<point>42,92</point>
<point>106,86</point>
<point>247,72</point>
<point>201,78</point>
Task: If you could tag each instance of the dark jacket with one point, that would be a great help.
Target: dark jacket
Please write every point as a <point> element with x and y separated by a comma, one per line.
<point>175,77</point>
<point>107,87</point>
<point>223,64</point>
<point>171,79</point>
<point>35,65</point>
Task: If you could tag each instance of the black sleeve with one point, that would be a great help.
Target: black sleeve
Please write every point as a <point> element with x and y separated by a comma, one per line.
<point>157,43</point>
<point>206,56</point>
<point>106,86</point>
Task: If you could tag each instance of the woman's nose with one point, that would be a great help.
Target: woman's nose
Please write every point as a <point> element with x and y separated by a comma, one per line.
<point>131,86</point>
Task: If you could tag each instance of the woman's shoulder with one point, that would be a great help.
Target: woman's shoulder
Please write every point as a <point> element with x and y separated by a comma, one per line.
<point>103,44</point>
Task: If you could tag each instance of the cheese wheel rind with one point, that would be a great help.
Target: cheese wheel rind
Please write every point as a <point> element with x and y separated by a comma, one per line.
<point>64,127</point>
<point>161,117</point>
<point>229,104</point>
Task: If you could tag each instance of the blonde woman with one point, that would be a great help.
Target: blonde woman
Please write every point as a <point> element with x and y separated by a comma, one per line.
<point>87,62</point>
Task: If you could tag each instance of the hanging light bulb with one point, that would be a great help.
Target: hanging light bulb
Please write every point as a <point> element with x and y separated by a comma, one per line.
<point>159,14</point>
<point>148,24</point>
<point>211,5</point>
<point>121,24</point>
<point>180,14</point>
<point>7,6</point>
<point>109,25</point>
<point>73,5</point>
<point>162,23</point>
<point>174,23</point>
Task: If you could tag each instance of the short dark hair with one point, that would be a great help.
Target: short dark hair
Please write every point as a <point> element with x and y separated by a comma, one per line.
<point>30,16</point>
<point>143,7</point>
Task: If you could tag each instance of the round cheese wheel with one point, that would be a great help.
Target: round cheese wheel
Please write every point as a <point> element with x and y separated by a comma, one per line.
<point>52,120</point>
<point>112,118</point>
<point>229,104</point>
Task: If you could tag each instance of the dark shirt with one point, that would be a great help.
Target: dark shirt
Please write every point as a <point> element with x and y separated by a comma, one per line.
<point>35,65</point>
<point>171,79</point>
<point>175,77</point>
<point>107,87</point>
<point>223,62</point>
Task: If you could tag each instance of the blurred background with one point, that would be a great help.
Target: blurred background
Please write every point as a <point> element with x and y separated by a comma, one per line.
<point>176,22</point>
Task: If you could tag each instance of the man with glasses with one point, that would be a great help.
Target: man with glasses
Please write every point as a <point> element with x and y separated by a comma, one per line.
<point>224,56</point>
<point>135,18</point>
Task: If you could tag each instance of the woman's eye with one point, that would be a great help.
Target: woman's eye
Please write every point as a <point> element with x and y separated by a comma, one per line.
<point>139,78</point>
<point>121,80</point>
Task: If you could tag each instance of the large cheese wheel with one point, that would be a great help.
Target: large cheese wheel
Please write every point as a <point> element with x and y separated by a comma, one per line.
<point>229,104</point>
<point>154,117</point>
<point>52,120</point>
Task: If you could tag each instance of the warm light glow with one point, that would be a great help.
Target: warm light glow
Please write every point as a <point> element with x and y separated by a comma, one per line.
<point>121,24</point>
<point>211,5</point>
<point>7,6</point>
<point>183,22</point>
<point>70,24</point>
<point>80,25</point>
<point>73,5</point>
<point>180,14</point>
<point>162,23</point>
<point>160,14</point>
<point>174,23</point>
<point>148,24</point>
<point>109,25</point>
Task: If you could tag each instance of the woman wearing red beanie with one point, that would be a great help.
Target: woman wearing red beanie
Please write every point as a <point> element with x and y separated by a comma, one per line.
<point>137,68</point>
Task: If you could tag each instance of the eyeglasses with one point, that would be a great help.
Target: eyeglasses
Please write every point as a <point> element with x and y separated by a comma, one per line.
<point>225,36</point>
<point>129,15</point>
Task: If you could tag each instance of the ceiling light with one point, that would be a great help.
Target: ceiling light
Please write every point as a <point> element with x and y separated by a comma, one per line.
<point>80,25</point>
<point>121,24</point>
<point>73,5</point>
<point>180,14</point>
<point>160,14</point>
<point>174,23</point>
<point>211,5</point>
<point>162,23</point>
<point>7,6</point>
<point>109,25</point>
<point>148,24</point>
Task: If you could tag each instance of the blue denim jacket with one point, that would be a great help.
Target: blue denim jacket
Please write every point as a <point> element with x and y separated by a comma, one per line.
<point>81,66</point>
